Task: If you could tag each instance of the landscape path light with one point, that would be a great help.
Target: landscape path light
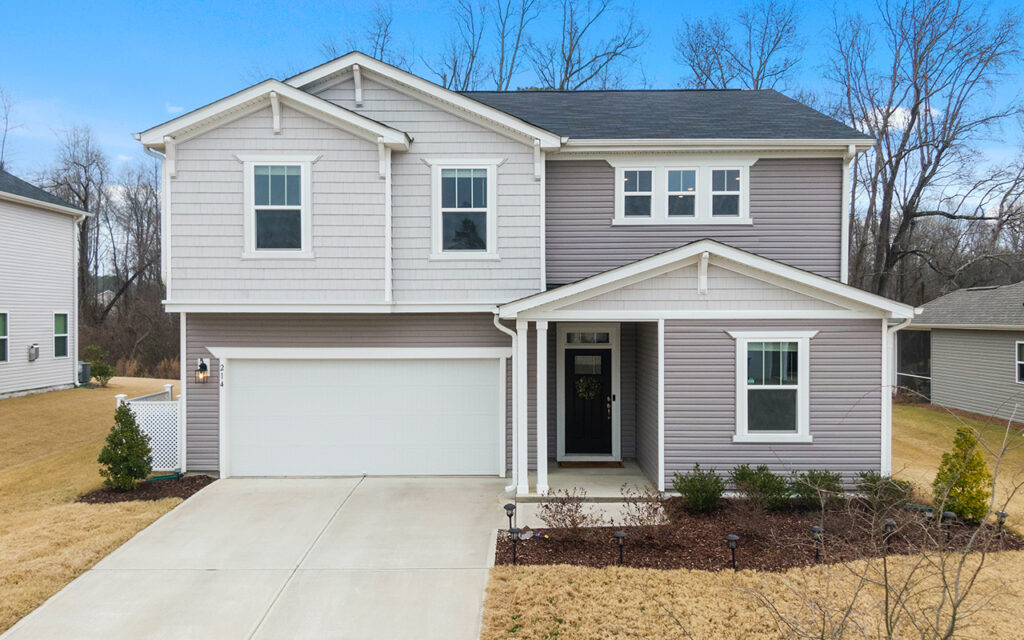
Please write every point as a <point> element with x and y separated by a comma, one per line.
<point>1001,521</point>
<point>620,539</point>
<point>816,532</point>
<point>732,540</point>
<point>514,533</point>
<point>890,529</point>
<point>510,511</point>
<point>948,518</point>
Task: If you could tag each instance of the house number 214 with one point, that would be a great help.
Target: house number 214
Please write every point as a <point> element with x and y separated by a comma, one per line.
<point>221,376</point>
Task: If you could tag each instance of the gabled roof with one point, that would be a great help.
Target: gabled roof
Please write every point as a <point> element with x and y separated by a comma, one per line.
<point>803,280</point>
<point>259,95</point>
<point>15,189</point>
<point>671,114</point>
<point>976,307</point>
<point>341,66</point>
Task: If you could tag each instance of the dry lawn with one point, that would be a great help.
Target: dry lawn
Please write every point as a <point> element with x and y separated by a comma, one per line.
<point>48,448</point>
<point>567,602</point>
<point>921,434</point>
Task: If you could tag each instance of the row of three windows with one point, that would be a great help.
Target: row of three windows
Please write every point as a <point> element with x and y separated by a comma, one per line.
<point>683,195</point>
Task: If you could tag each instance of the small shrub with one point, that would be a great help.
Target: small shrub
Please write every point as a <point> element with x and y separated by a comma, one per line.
<point>701,490</point>
<point>126,457</point>
<point>763,488</point>
<point>100,368</point>
<point>642,507</point>
<point>963,481</point>
<point>565,509</point>
<point>883,493</point>
<point>816,488</point>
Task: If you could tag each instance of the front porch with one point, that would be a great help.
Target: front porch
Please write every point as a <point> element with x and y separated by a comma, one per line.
<point>601,484</point>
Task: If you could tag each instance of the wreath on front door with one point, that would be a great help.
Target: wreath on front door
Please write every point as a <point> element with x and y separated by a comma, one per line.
<point>587,387</point>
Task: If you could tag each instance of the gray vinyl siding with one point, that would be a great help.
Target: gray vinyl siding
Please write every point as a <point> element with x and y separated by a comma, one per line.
<point>207,216</point>
<point>795,206</point>
<point>647,399</point>
<point>845,399</point>
<point>37,278</point>
<point>976,371</point>
<point>438,134</point>
<point>309,330</point>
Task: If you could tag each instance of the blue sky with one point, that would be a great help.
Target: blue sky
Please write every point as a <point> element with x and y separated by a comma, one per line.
<point>122,67</point>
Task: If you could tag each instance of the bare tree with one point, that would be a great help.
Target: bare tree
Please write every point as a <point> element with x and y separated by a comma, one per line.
<point>377,40</point>
<point>79,177</point>
<point>458,67</point>
<point>922,91</point>
<point>765,56</point>
<point>511,18</point>
<point>577,59</point>
<point>6,126</point>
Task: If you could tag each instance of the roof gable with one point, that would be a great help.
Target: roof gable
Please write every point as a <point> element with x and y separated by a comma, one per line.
<point>803,283</point>
<point>15,189</point>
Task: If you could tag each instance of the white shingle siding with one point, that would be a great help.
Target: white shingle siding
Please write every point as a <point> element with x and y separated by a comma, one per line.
<point>207,219</point>
<point>438,134</point>
<point>37,278</point>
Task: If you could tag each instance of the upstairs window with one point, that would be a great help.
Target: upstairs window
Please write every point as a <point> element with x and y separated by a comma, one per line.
<point>465,212</point>
<point>682,192</point>
<point>637,189</point>
<point>60,335</point>
<point>725,192</point>
<point>3,337</point>
<point>278,220</point>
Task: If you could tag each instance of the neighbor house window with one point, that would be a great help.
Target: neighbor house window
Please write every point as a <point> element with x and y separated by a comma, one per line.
<point>464,220</point>
<point>278,220</point>
<point>1020,362</point>
<point>3,337</point>
<point>60,335</point>
<point>772,387</point>
<point>637,189</point>
<point>725,192</point>
<point>682,192</point>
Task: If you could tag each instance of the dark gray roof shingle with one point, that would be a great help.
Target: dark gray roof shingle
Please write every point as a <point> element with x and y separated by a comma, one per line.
<point>683,113</point>
<point>13,184</point>
<point>1001,306</point>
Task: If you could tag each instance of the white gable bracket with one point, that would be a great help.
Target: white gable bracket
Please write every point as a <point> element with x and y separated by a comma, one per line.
<point>169,156</point>
<point>536,159</point>
<point>702,274</point>
<point>382,158</point>
<point>357,78</point>
<point>275,107</point>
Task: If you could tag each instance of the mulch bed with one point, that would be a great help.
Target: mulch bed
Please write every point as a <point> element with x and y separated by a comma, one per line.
<point>768,541</point>
<point>182,488</point>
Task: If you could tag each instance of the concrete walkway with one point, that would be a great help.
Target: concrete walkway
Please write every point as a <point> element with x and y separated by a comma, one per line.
<point>293,558</point>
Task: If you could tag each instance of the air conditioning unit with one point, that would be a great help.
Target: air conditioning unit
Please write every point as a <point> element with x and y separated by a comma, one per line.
<point>84,372</point>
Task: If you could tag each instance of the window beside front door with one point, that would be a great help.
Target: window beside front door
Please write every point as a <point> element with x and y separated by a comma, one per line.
<point>772,398</point>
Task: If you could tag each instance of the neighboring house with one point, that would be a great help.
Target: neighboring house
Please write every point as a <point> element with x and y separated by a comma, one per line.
<point>366,263</point>
<point>38,289</point>
<point>970,344</point>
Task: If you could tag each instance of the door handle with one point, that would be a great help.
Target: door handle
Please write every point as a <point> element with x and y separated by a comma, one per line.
<point>608,404</point>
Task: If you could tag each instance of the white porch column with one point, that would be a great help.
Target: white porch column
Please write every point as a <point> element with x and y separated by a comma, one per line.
<point>542,407</point>
<point>522,413</point>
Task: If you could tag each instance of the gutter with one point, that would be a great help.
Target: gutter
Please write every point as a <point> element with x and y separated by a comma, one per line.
<point>515,395</point>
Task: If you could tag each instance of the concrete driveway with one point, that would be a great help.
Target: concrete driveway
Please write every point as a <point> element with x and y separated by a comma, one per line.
<point>294,558</point>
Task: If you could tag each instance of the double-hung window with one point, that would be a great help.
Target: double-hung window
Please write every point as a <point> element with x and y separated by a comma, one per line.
<point>682,193</point>
<point>277,202</point>
<point>637,191</point>
<point>772,382</point>
<point>465,224</point>
<point>1020,362</point>
<point>3,337</point>
<point>60,335</point>
<point>725,192</point>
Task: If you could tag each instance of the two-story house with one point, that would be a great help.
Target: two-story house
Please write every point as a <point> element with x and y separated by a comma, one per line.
<point>38,289</point>
<point>377,275</point>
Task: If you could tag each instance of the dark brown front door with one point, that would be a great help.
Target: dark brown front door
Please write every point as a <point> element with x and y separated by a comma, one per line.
<point>588,401</point>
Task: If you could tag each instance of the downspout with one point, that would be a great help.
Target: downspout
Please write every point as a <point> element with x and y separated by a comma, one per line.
<point>76,234</point>
<point>515,395</point>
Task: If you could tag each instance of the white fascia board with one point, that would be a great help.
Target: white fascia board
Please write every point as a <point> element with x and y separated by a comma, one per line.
<point>203,306</point>
<point>548,140</point>
<point>678,257</point>
<point>598,145</point>
<point>259,93</point>
<point>965,327</point>
<point>48,206</point>
<point>698,314</point>
<point>359,353</point>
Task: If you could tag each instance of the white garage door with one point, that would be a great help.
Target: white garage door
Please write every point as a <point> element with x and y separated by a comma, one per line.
<point>353,417</point>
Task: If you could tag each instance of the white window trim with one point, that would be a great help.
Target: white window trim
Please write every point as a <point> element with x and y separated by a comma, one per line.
<point>620,192</point>
<point>56,335</point>
<point>802,338</point>
<point>6,337</point>
<point>744,193</point>
<point>436,252</point>
<point>1017,355</point>
<point>696,193</point>
<point>659,201</point>
<point>305,163</point>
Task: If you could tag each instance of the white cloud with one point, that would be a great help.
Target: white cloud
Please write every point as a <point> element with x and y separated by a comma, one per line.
<point>123,158</point>
<point>173,109</point>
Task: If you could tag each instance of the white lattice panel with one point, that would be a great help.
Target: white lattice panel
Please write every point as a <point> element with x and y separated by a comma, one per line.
<point>159,420</point>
